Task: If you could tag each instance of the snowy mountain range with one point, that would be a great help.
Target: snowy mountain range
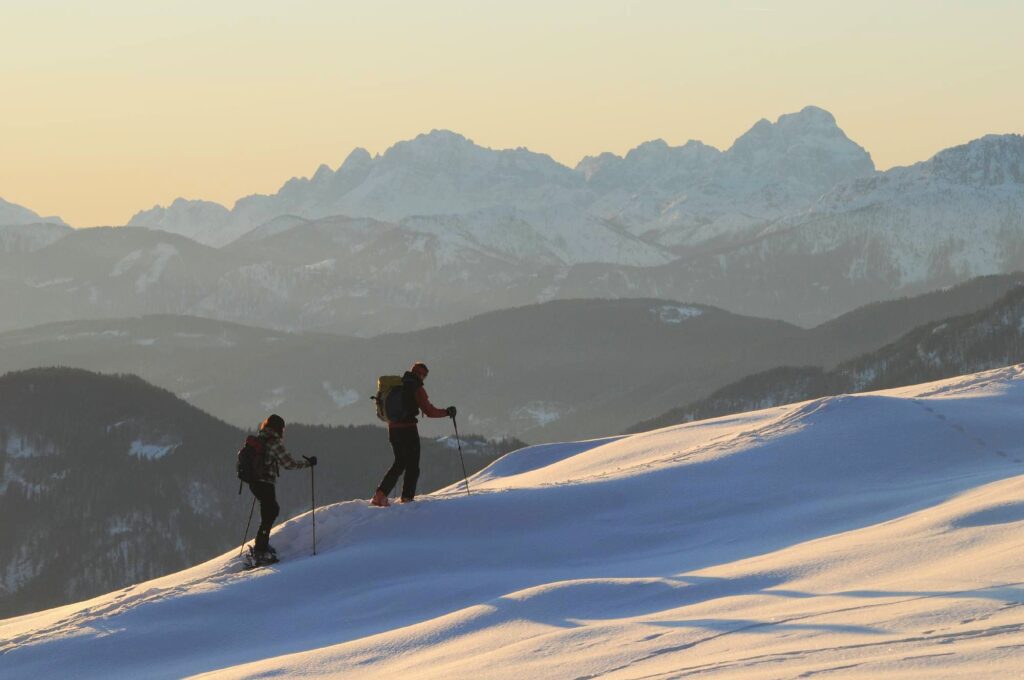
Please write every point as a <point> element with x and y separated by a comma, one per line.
<point>863,536</point>
<point>626,211</point>
<point>106,481</point>
<point>791,222</point>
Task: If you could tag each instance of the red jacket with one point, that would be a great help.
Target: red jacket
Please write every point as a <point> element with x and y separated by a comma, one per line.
<point>428,409</point>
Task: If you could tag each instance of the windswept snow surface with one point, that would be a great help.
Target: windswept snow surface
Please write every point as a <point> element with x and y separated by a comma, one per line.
<point>866,536</point>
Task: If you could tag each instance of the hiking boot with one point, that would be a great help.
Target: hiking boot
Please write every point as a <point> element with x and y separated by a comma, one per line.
<point>380,499</point>
<point>262,542</point>
<point>407,500</point>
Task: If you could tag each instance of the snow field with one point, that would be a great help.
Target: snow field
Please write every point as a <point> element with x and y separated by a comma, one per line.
<point>860,536</point>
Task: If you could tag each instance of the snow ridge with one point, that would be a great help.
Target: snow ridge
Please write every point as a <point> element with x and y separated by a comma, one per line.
<point>830,536</point>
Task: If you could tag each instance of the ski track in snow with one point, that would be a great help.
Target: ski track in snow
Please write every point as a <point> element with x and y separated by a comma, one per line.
<point>858,536</point>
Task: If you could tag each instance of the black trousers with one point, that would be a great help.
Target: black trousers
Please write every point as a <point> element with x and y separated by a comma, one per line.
<point>266,494</point>
<point>405,442</point>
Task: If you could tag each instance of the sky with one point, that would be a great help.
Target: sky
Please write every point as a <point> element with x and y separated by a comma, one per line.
<point>114,106</point>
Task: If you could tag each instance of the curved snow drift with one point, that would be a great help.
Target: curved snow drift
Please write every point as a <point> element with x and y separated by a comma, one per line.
<point>869,535</point>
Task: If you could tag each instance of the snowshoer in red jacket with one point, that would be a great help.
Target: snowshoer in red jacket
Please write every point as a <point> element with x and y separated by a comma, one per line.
<point>405,437</point>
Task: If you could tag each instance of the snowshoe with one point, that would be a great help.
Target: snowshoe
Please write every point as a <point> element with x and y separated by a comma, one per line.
<point>255,559</point>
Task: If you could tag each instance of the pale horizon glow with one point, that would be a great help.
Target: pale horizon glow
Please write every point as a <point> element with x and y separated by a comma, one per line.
<point>114,106</point>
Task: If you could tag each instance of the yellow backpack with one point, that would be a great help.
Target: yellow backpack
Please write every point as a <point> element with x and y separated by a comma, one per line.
<point>389,398</point>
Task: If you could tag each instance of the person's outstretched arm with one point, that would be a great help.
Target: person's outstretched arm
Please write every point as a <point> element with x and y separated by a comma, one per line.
<point>284,458</point>
<point>429,410</point>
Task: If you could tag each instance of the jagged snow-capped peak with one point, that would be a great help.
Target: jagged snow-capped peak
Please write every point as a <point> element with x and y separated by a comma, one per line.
<point>686,196</point>
<point>181,212</point>
<point>990,160</point>
<point>652,162</point>
<point>447,153</point>
<point>357,155</point>
<point>809,120</point>
<point>202,221</point>
<point>358,158</point>
<point>990,163</point>
<point>435,140</point>
<point>807,145</point>
<point>322,174</point>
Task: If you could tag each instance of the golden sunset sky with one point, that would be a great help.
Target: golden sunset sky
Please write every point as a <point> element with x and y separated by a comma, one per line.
<point>112,106</point>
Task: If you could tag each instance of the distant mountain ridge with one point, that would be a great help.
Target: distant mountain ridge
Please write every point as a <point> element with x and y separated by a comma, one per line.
<point>545,371</point>
<point>958,344</point>
<point>563,369</point>
<point>12,214</point>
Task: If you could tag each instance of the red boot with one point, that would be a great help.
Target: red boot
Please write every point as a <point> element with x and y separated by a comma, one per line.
<point>380,499</point>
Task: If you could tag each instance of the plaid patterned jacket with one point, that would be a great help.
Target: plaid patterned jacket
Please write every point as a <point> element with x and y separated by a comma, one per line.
<point>276,456</point>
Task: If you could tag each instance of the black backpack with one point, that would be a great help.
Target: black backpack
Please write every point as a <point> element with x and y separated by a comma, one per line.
<point>252,460</point>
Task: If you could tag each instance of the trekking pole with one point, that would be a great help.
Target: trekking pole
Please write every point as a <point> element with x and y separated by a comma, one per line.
<point>312,502</point>
<point>245,536</point>
<point>458,441</point>
<point>312,499</point>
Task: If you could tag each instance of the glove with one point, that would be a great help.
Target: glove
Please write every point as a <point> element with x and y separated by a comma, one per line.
<point>311,460</point>
<point>451,411</point>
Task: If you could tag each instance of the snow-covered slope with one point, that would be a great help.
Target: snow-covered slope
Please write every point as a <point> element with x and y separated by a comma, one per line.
<point>860,536</point>
<point>553,235</point>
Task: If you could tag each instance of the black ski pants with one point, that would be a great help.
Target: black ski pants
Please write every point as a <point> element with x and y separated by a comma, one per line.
<point>266,494</point>
<point>405,442</point>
